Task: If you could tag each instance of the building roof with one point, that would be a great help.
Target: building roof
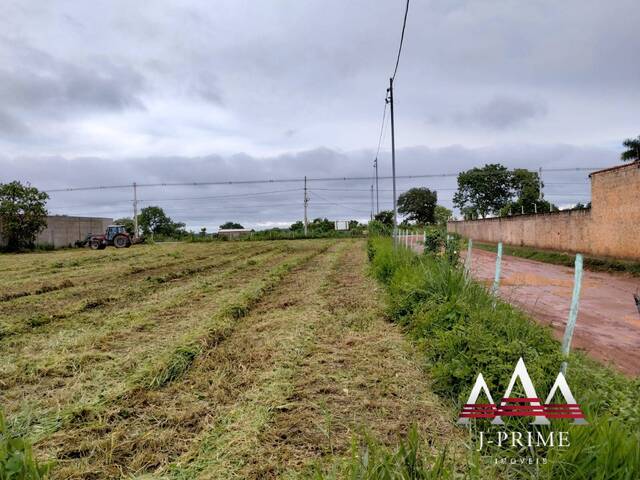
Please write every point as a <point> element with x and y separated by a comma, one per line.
<point>234,230</point>
<point>617,167</point>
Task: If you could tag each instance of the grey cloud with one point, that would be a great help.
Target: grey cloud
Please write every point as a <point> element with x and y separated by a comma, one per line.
<point>501,113</point>
<point>107,93</point>
<point>33,81</point>
<point>257,204</point>
<point>9,125</point>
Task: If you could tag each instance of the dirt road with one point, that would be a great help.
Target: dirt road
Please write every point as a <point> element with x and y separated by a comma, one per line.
<point>608,325</point>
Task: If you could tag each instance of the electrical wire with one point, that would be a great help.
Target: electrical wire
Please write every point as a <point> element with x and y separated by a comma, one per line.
<point>295,180</point>
<point>404,24</point>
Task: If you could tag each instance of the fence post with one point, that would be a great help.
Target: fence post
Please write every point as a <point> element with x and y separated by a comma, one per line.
<point>467,261</point>
<point>496,279</point>
<point>573,312</point>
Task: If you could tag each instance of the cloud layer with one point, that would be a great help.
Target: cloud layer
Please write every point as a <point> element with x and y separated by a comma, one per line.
<point>110,91</point>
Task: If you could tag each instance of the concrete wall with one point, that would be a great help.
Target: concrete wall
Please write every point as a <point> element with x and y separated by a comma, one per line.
<point>611,228</point>
<point>63,231</point>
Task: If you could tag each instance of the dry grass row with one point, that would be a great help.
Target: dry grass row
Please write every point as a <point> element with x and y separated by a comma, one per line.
<point>92,354</point>
<point>126,434</point>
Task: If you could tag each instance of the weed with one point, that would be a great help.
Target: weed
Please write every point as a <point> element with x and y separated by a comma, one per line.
<point>412,459</point>
<point>463,331</point>
<point>16,457</point>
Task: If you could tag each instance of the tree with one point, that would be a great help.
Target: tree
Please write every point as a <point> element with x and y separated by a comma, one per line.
<point>321,225</point>
<point>297,227</point>
<point>632,153</point>
<point>385,217</point>
<point>153,221</point>
<point>526,187</point>
<point>23,214</point>
<point>230,225</point>
<point>442,215</point>
<point>128,224</point>
<point>418,205</point>
<point>483,191</point>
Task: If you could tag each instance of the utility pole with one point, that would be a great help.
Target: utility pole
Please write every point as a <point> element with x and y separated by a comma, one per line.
<point>393,165</point>
<point>306,201</point>
<point>375,164</point>
<point>540,184</point>
<point>135,209</point>
<point>372,201</point>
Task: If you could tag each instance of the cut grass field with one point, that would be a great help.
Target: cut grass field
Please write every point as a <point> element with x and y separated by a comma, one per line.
<point>221,360</point>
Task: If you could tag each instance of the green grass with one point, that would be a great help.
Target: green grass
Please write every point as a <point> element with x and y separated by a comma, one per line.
<point>462,331</point>
<point>16,457</point>
<point>596,264</point>
<point>411,459</point>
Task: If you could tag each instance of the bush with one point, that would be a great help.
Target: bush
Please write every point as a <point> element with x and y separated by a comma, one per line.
<point>433,240</point>
<point>463,331</point>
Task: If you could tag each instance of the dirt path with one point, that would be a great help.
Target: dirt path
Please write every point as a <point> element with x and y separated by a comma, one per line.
<point>608,325</point>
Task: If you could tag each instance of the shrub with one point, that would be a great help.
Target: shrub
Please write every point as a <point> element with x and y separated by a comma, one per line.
<point>462,331</point>
<point>433,240</point>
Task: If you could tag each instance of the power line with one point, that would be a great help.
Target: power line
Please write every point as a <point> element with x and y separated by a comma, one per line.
<point>404,24</point>
<point>294,180</point>
<point>334,203</point>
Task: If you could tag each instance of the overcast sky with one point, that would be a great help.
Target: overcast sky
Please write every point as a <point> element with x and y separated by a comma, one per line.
<point>112,92</point>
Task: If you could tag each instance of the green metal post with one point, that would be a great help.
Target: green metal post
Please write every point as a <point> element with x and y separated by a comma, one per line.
<point>573,311</point>
<point>496,279</point>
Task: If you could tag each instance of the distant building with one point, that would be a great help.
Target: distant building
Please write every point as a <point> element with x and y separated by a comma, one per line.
<point>63,231</point>
<point>233,232</point>
<point>342,225</point>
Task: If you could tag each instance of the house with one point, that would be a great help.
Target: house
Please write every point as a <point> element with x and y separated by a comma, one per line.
<point>232,233</point>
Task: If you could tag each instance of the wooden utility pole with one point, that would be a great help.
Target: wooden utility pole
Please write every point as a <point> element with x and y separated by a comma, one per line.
<point>306,201</point>
<point>375,164</point>
<point>135,209</point>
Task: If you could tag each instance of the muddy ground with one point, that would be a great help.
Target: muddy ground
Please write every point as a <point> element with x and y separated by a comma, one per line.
<point>608,325</point>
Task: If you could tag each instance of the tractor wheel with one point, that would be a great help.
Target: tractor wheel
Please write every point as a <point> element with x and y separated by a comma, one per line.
<point>95,244</point>
<point>121,241</point>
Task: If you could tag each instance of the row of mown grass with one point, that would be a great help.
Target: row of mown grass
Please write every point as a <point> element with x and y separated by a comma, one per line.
<point>152,343</point>
<point>462,331</point>
<point>596,264</point>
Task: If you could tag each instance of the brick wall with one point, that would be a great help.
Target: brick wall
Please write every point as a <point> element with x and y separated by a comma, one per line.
<point>611,228</point>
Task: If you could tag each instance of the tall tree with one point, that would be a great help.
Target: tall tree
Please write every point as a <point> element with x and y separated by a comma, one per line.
<point>418,205</point>
<point>23,214</point>
<point>153,221</point>
<point>483,191</point>
<point>230,226</point>
<point>632,152</point>
<point>385,217</point>
<point>442,215</point>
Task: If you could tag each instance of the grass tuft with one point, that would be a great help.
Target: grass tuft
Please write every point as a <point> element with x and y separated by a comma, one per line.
<point>16,457</point>
<point>463,330</point>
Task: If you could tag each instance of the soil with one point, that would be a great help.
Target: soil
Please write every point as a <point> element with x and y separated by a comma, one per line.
<point>608,325</point>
